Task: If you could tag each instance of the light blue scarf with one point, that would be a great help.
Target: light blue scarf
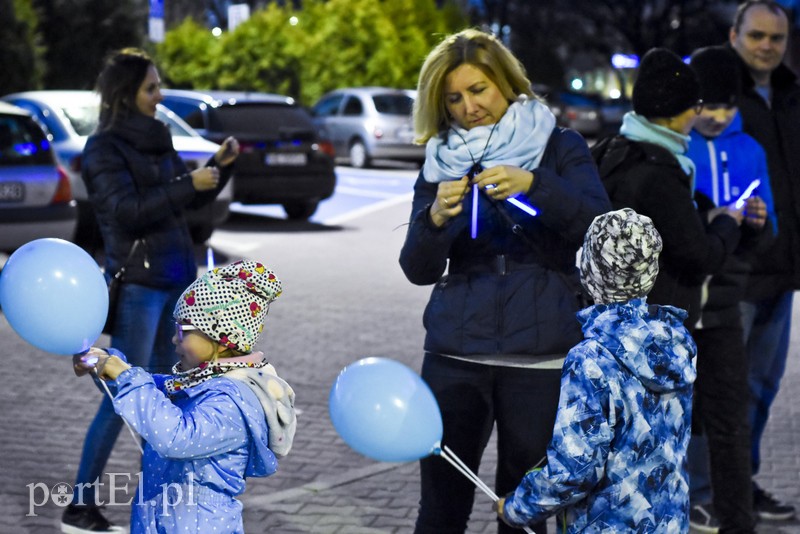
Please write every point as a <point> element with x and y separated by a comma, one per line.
<point>519,139</point>
<point>637,128</point>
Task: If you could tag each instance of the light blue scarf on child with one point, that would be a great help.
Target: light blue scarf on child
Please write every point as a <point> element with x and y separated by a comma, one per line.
<point>519,139</point>
<point>637,128</point>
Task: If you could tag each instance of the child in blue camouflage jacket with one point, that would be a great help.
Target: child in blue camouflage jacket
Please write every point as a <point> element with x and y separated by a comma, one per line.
<point>616,462</point>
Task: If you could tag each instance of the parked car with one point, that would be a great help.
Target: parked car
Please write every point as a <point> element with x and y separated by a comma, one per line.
<point>283,159</point>
<point>368,123</point>
<point>577,111</point>
<point>611,112</point>
<point>71,116</point>
<point>589,114</point>
<point>35,196</point>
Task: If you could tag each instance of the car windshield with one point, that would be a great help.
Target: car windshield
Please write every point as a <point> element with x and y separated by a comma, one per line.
<point>272,121</point>
<point>22,142</point>
<point>83,120</point>
<point>176,128</point>
<point>393,104</point>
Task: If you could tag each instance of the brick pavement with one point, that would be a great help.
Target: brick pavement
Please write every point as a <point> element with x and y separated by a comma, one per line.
<point>345,299</point>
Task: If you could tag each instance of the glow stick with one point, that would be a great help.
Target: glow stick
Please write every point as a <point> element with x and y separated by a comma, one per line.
<point>747,192</point>
<point>474,232</point>
<point>524,206</point>
<point>530,210</point>
<point>210,258</point>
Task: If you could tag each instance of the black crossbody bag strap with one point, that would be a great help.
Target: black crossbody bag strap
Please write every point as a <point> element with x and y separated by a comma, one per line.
<point>119,275</point>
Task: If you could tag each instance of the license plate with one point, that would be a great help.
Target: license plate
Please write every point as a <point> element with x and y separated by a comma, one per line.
<point>295,159</point>
<point>12,191</point>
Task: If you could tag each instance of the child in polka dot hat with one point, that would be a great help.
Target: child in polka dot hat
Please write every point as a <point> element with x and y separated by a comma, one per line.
<point>223,415</point>
<point>229,304</point>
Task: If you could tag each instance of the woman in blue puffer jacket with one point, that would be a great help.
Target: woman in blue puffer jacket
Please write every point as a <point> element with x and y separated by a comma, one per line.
<point>500,322</point>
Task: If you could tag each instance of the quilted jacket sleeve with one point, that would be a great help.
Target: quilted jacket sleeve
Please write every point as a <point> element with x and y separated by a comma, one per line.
<point>213,426</point>
<point>566,187</point>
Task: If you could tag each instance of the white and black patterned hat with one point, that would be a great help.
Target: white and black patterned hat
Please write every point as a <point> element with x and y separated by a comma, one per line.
<point>619,261</point>
<point>229,303</point>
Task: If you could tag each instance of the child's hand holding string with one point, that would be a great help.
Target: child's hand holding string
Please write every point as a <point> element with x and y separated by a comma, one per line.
<point>97,360</point>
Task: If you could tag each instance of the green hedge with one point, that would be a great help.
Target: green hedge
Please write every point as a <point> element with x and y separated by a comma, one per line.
<point>335,43</point>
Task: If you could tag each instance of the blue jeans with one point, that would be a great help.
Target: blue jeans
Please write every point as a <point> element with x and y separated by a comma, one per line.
<point>473,398</point>
<point>143,332</point>
<point>767,324</point>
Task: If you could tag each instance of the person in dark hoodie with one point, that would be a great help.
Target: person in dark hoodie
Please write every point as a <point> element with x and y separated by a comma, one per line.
<point>728,163</point>
<point>616,462</point>
<point>645,168</point>
<point>223,415</point>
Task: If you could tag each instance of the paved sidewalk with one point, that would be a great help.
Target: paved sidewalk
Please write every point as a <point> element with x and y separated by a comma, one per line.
<point>345,298</point>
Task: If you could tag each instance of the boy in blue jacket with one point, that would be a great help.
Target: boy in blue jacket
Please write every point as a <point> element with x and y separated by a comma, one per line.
<point>616,462</point>
<point>223,415</point>
<point>727,162</point>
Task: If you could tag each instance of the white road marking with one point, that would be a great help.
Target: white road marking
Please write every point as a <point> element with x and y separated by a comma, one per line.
<point>366,210</point>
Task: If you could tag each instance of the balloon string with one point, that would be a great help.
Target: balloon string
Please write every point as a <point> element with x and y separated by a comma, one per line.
<point>456,462</point>
<point>110,396</point>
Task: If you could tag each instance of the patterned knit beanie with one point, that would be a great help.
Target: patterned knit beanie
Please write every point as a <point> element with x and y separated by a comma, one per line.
<point>229,303</point>
<point>619,261</point>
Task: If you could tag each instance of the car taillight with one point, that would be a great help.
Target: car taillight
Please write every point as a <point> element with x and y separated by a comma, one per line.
<point>247,147</point>
<point>378,133</point>
<point>63,192</point>
<point>75,164</point>
<point>326,147</point>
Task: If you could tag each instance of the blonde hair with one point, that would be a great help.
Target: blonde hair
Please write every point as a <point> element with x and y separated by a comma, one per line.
<point>472,47</point>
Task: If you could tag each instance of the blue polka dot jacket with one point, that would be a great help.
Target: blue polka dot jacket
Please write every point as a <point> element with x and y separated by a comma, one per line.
<point>201,444</point>
<point>616,462</point>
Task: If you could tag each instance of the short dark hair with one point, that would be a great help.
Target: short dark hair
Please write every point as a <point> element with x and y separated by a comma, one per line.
<point>118,82</point>
<point>745,6</point>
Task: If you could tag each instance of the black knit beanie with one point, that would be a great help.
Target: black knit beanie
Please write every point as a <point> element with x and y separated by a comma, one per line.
<point>665,85</point>
<point>717,70</point>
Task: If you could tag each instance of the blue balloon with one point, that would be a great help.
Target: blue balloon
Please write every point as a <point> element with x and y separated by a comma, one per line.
<point>54,296</point>
<point>384,410</point>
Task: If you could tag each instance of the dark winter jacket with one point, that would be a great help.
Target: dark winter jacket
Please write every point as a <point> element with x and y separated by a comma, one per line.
<point>648,179</point>
<point>502,296</point>
<point>777,129</point>
<point>139,188</point>
<point>726,165</point>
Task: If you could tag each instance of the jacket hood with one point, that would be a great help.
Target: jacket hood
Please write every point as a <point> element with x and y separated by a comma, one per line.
<point>650,341</point>
<point>276,397</point>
